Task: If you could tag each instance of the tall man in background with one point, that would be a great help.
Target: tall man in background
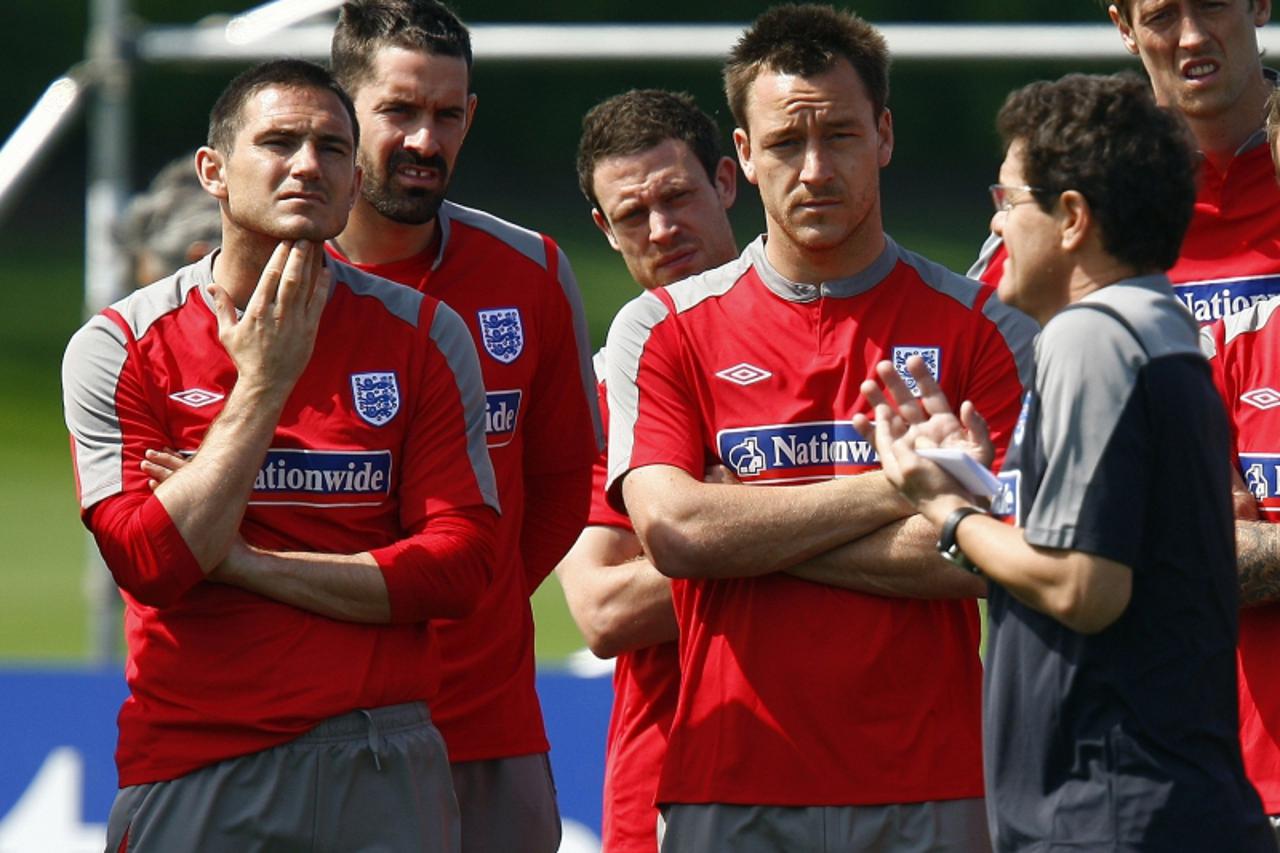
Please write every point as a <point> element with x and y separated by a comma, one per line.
<point>1244,351</point>
<point>805,711</point>
<point>335,498</point>
<point>407,65</point>
<point>649,163</point>
<point>1203,61</point>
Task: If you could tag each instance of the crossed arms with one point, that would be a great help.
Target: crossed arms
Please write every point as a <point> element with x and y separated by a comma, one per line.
<point>188,529</point>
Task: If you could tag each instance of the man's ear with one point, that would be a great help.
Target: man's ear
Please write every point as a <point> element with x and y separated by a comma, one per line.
<point>607,230</point>
<point>726,181</point>
<point>211,171</point>
<point>742,144</point>
<point>1126,30</point>
<point>472,101</point>
<point>884,128</point>
<point>1075,220</point>
<point>356,187</point>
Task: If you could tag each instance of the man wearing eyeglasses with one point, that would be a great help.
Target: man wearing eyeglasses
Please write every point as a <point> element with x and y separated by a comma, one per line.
<point>1203,62</point>
<point>1110,705</point>
<point>809,717</point>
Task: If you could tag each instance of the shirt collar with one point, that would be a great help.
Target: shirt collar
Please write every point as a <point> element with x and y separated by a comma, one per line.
<point>794,291</point>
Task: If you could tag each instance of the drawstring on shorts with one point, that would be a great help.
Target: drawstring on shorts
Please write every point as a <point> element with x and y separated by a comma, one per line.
<point>375,740</point>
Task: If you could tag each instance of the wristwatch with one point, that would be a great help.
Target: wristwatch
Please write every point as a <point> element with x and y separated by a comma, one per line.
<point>947,545</point>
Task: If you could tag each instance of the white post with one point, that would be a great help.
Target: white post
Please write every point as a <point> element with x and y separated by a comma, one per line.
<point>105,268</point>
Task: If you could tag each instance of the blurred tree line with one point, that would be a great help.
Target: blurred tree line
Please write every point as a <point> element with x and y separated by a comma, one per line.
<point>518,160</point>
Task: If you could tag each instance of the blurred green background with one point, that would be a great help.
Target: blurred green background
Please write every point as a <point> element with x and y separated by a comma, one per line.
<point>517,163</point>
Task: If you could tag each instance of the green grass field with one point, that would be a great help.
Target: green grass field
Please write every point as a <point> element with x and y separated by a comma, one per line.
<point>43,607</point>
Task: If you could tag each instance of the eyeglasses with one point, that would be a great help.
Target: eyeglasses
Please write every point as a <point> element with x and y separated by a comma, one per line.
<point>1000,196</point>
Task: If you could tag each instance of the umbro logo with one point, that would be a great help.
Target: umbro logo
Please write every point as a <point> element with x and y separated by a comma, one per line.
<point>1262,398</point>
<point>197,397</point>
<point>744,374</point>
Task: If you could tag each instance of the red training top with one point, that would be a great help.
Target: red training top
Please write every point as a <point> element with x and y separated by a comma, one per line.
<point>379,448</point>
<point>1245,357</point>
<point>516,292</point>
<point>795,693</point>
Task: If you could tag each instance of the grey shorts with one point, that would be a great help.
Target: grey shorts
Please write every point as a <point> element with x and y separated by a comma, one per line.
<point>375,780</point>
<point>944,826</point>
<point>508,805</point>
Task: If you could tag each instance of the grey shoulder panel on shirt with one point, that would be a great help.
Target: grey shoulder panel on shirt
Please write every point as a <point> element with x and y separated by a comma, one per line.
<point>400,300</point>
<point>145,306</point>
<point>1087,369</point>
<point>526,242</point>
<point>935,275</point>
<point>628,335</point>
<point>91,369</point>
<point>689,292</point>
<point>1161,321</point>
<point>453,339</point>
<point>1019,332</point>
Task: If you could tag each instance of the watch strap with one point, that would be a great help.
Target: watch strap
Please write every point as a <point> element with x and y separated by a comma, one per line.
<point>947,545</point>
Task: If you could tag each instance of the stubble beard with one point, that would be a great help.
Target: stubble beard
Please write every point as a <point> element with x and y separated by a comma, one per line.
<point>414,206</point>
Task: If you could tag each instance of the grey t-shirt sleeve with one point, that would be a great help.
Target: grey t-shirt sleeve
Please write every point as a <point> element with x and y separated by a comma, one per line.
<point>1093,436</point>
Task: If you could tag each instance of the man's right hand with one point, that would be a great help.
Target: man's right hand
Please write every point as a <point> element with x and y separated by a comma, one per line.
<point>272,341</point>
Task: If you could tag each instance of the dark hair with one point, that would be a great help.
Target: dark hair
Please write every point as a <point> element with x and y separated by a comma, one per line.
<point>367,26</point>
<point>638,120</point>
<point>807,40</point>
<point>1122,6</point>
<point>1104,137</point>
<point>227,115</point>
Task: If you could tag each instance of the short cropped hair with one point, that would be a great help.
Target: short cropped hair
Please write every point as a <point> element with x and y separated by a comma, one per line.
<point>806,39</point>
<point>1105,137</point>
<point>227,116</point>
<point>641,119</point>
<point>367,26</point>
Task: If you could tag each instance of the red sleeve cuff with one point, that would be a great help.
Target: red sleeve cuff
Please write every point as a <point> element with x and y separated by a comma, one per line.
<point>142,547</point>
<point>443,571</point>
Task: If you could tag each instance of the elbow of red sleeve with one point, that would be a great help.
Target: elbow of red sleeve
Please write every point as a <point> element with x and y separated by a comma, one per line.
<point>146,554</point>
<point>442,572</point>
<point>556,508</point>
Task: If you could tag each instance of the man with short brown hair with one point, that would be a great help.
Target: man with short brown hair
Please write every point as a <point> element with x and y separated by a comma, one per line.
<point>335,497</point>
<point>810,717</point>
<point>407,64</point>
<point>649,163</point>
